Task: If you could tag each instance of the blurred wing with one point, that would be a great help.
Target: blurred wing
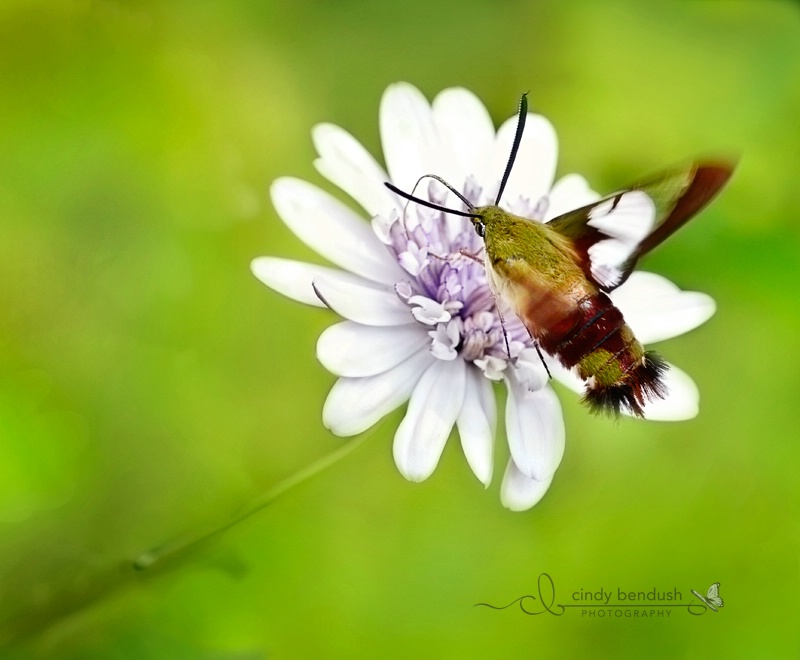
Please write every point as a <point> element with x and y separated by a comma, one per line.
<point>610,235</point>
<point>520,285</point>
<point>607,234</point>
<point>681,194</point>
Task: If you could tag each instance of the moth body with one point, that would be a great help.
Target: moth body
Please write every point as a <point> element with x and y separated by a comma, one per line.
<point>537,272</point>
<point>555,276</point>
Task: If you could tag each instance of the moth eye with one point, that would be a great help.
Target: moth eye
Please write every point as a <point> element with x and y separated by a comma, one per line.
<point>480,228</point>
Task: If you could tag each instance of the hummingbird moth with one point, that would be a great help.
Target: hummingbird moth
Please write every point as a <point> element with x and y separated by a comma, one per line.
<point>556,276</point>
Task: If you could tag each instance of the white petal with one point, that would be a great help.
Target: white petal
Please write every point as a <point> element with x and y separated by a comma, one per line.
<point>535,429</point>
<point>682,401</point>
<point>344,162</point>
<point>355,350</point>
<point>362,302</point>
<point>476,425</point>
<point>656,309</point>
<point>432,411</point>
<point>355,404</point>
<point>529,370</point>
<point>519,492</point>
<point>569,193</point>
<point>492,367</point>
<point>466,132</point>
<point>535,166</point>
<point>410,140</point>
<point>567,377</point>
<point>293,279</point>
<point>444,340</point>
<point>334,230</point>
<point>428,311</point>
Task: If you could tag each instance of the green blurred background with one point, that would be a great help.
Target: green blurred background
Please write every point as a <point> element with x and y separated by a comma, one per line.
<point>151,386</point>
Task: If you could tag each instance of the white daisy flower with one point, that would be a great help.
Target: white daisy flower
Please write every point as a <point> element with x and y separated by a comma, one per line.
<point>421,324</point>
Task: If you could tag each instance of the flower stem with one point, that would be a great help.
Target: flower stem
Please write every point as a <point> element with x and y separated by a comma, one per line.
<point>156,561</point>
<point>171,550</point>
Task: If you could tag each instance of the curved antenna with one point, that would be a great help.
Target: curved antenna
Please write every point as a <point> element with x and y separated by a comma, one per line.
<point>430,205</point>
<point>467,203</point>
<point>444,183</point>
<point>523,114</point>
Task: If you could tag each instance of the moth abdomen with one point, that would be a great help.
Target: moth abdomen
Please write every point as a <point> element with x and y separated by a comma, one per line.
<point>618,373</point>
<point>594,324</point>
<point>640,384</point>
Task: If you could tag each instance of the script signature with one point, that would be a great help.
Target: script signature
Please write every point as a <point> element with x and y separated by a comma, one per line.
<point>545,602</point>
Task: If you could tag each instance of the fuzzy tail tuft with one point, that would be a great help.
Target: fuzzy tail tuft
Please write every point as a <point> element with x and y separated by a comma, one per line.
<point>641,384</point>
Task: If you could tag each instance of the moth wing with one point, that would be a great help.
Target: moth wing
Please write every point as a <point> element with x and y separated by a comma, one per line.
<point>611,235</point>
<point>516,282</point>
<point>679,195</point>
<point>607,233</point>
<point>511,278</point>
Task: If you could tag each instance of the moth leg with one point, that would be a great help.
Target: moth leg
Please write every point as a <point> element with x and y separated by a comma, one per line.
<point>538,350</point>
<point>503,326</point>
<point>440,257</point>
<point>505,338</point>
<point>448,259</point>
<point>541,357</point>
<point>474,257</point>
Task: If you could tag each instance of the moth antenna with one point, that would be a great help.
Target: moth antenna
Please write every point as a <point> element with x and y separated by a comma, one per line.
<point>523,115</point>
<point>467,203</point>
<point>405,209</point>
<point>444,183</point>
<point>430,205</point>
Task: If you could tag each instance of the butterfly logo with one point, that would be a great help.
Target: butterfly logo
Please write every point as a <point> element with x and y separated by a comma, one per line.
<point>711,599</point>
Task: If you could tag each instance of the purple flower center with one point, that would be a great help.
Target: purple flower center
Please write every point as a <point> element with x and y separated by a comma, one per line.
<point>447,288</point>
